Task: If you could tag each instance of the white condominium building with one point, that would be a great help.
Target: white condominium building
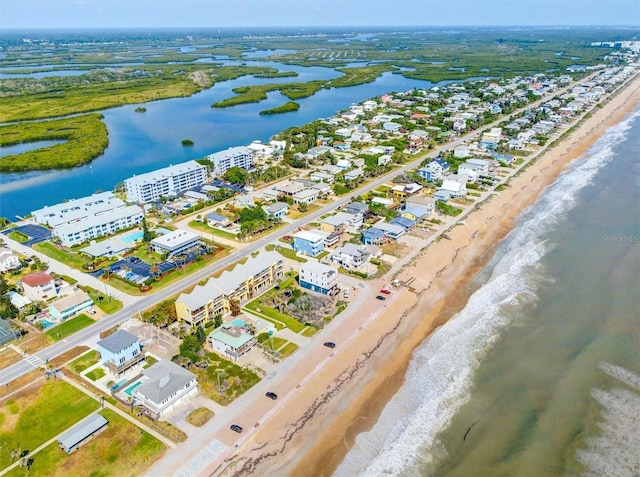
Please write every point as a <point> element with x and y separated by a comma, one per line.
<point>240,156</point>
<point>96,226</point>
<point>168,182</point>
<point>77,209</point>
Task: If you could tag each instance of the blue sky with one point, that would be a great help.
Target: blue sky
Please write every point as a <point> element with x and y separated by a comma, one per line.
<point>249,13</point>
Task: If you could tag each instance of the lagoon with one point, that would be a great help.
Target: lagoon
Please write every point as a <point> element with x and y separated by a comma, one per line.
<point>142,142</point>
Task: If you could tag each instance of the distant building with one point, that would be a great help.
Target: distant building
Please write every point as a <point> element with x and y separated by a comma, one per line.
<point>163,387</point>
<point>171,181</point>
<point>239,156</point>
<point>120,351</point>
<point>350,256</point>
<point>318,277</point>
<point>277,210</point>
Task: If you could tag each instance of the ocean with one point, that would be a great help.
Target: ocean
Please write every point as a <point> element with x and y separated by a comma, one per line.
<point>539,374</point>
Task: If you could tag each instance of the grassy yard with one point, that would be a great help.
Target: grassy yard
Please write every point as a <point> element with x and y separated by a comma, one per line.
<point>121,449</point>
<point>39,413</point>
<point>309,331</point>
<point>290,253</point>
<point>85,361</point>
<point>106,303</point>
<point>69,327</point>
<point>200,416</point>
<point>275,316</point>
<point>74,260</point>
<point>194,224</point>
<point>96,374</point>
<point>288,349</point>
<point>18,236</point>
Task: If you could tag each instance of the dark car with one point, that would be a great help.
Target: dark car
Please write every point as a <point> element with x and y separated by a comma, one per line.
<point>380,297</point>
<point>236,428</point>
<point>330,344</point>
<point>272,395</point>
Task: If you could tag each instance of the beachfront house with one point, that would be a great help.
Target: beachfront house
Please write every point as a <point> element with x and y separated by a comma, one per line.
<point>120,351</point>
<point>350,256</point>
<point>163,387</point>
<point>308,242</point>
<point>231,341</point>
<point>318,277</point>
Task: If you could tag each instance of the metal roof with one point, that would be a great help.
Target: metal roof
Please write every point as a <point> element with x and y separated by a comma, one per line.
<point>81,431</point>
<point>118,341</point>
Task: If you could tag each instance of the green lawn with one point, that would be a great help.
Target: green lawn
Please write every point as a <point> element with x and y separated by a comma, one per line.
<point>41,415</point>
<point>74,260</point>
<point>96,374</point>
<point>18,236</point>
<point>106,303</point>
<point>309,331</point>
<point>84,361</point>
<point>288,349</point>
<point>121,449</point>
<point>205,228</point>
<point>69,327</point>
<point>290,253</point>
<point>275,316</point>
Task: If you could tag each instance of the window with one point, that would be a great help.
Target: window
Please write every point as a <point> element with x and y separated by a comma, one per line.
<point>122,360</point>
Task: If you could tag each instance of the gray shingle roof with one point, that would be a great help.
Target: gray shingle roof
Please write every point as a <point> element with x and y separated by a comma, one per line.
<point>118,341</point>
<point>165,378</point>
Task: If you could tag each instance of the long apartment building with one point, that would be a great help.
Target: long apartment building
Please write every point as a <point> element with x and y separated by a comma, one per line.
<point>245,282</point>
<point>240,156</point>
<point>88,218</point>
<point>168,182</point>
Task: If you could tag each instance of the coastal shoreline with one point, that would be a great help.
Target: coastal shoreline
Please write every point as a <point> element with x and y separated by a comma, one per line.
<point>319,427</point>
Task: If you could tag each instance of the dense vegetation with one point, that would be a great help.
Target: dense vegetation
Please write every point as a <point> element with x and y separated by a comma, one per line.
<point>85,139</point>
<point>285,108</point>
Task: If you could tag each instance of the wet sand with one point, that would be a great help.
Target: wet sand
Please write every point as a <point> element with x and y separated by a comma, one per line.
<point>318,427</point>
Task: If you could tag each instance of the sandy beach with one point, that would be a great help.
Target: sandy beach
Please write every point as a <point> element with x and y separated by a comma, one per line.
<point>312,434</point>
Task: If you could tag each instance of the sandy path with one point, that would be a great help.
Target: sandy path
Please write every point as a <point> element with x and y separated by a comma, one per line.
<point>318,426</point>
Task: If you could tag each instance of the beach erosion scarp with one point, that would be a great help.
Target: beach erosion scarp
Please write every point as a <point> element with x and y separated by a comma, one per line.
<point>320,426</point>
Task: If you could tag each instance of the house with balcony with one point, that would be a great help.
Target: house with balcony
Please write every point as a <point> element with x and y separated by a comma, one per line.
<point>231,341</point>
<point>350,256</point>
<point>308,242</point>
<point>120,351</point>
<point>39,286</point>
<point>243,283</point>
<point>318,277</point>
<point>69,305</point>
<point>431,172</point>
<point>163,387</point>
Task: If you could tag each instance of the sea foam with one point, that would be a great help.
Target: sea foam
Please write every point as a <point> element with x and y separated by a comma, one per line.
<point>441,371</point>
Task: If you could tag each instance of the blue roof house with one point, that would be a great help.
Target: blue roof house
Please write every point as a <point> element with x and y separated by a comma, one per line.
<point>309,243</point>
<point>373,236</point>
<point>120,351</point>
<point>404,222</point>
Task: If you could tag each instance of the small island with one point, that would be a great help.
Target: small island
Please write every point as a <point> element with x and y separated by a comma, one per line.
<point>285,108</point>
<point>140,109</point>
<point>187,142</point>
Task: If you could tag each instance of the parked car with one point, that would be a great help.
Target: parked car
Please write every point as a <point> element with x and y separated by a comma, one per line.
<point>236,428</point>
<point>381,297</point>
<point>272,395</point>
<point>329,344</point>
<point>385,291</point>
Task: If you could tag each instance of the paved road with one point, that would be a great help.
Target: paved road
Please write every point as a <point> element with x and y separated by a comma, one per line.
<point>18,369</point>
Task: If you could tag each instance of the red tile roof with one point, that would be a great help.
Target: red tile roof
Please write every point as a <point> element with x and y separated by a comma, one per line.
<point>36,279</point>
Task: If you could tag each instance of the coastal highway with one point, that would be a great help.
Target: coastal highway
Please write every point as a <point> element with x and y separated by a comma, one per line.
<point>90,333</point>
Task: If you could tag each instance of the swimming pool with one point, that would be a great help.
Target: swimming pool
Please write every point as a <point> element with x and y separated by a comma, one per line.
<point>237,322</point>
<point>118,384</point>
<point>130,389</point>
<point>46,324</point>
<point>132,237</point>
